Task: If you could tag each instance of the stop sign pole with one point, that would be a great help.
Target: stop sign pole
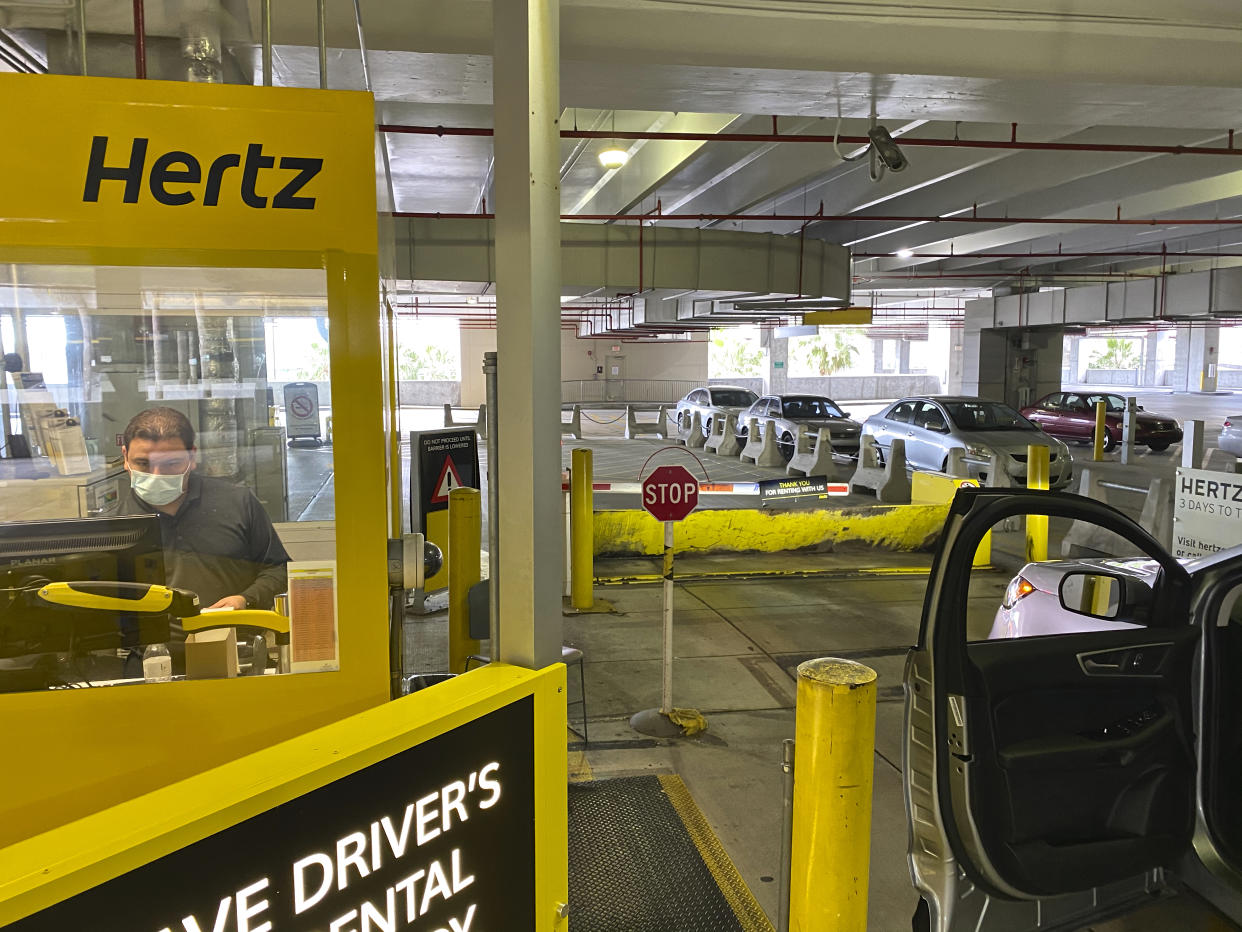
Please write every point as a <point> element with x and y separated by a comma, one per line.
<point>669,494</point>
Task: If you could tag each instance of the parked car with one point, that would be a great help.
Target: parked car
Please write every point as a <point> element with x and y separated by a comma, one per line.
<point>931,426</point>
<point>1038,600</point>
<point>784,413</point>
<point>1231,435</point>
<point>712,402</point>
<point>1071,416</point>
<point>1076,774</point>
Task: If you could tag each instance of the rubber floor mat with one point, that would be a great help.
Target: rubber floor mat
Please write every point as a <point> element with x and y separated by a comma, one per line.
<point>642,858</point>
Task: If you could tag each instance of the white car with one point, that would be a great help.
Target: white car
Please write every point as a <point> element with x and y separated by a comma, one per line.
<point>713,402</point>
<point>1038,601</point>
<point>1231,435</point>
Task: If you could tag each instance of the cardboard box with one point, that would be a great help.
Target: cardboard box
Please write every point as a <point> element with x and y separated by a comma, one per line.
<point>211,654</point>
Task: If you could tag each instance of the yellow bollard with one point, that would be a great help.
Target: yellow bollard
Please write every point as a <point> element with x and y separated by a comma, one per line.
<point>831,853</point>
<point>464,571</point>
<point>581,531</point>
<point>1037,472</point>
<point>1101,425</point>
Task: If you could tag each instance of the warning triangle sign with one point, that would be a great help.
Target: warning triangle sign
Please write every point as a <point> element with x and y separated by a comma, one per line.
<point>449,480</point>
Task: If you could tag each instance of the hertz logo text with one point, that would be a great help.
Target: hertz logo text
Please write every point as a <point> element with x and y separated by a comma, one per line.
<point>175,177</point>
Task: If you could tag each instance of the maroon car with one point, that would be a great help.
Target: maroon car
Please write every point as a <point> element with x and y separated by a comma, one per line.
<point>1071,416</point>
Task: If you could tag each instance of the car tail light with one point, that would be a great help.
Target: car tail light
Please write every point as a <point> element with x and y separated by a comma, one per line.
<point>1228,423</point>
<point>1019,588</point>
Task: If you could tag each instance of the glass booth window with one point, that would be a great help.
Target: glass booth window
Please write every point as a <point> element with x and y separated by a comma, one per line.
<point>166,476</point>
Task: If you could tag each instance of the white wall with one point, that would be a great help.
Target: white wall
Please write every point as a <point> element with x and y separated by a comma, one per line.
<point>672,360</point>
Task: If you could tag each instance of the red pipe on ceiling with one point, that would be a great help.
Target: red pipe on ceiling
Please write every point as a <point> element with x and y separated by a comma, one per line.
<point>140,40</point>
<point>1012,143</point>
<point>844,218</point>
<point>1120,254</point>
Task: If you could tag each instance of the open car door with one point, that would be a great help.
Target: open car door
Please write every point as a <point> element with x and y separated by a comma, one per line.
<point>1050,779</point>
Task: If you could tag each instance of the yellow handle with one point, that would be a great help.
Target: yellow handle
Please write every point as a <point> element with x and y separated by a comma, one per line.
<point>156,598</point>
<point>273,621</point>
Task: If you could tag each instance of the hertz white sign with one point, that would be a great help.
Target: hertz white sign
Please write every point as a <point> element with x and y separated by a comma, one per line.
<point>1207,512</point>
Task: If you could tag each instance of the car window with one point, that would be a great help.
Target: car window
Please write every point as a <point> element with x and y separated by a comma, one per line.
<point>903,412</point>
<point>986,415</point>
<point>929,417</point>
<point>1111,402</point>
<point>811,408</point>
<point>698,397</point>
<point>733,397</point>
<point>1074,403</point>
<point>1053,401</point>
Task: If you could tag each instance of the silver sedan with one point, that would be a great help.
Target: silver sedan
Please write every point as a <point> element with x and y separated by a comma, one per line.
<point>932,426</point>
<point>1231,435</point>
<point>713,402</point>
<point>785,413</point>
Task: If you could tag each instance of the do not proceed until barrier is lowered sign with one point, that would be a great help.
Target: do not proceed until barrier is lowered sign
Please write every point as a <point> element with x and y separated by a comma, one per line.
<point>437,838</point>
<point>1207,512</point>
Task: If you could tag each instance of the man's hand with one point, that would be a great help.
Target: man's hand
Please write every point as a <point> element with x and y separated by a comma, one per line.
<point>237,602</point>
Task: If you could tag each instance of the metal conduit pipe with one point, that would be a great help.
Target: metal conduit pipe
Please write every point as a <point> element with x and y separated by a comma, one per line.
<point>1012,143</point>
<point>1077,254</point>
<point>846,218</point>
<point>140,40</point>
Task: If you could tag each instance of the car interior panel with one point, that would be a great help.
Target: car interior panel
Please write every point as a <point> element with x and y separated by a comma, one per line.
<point>1222,743</point>
<point>1085,777</point>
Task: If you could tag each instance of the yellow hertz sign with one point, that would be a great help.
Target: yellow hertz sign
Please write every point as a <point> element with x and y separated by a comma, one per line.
<point>152,164</point>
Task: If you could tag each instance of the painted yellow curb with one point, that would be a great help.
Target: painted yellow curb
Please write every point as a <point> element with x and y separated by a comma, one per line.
<point>891,527</point>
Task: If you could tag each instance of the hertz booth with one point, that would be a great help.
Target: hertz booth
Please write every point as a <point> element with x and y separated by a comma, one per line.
<point>194,647</point>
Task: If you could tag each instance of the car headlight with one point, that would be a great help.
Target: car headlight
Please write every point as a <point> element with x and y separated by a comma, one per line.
<point>1019,588</point>
<point>979,451</point>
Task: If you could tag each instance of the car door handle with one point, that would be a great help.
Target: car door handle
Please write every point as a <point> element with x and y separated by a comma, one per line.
<point>1091,665</point>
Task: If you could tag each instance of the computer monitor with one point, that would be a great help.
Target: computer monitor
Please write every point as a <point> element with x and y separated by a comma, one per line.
<point>128,549</point>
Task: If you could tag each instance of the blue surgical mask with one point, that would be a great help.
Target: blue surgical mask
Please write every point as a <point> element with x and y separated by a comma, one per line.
<point>157,490</point>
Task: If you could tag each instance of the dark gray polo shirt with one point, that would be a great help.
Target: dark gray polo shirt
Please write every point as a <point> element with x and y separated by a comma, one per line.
<point>219,543</point>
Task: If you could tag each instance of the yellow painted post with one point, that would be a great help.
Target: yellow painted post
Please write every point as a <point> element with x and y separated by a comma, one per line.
<point>581,530</point>
<point>831,848</point>
<point>1101,425</point>
<point>1037,472</point>
<point>464,571</point>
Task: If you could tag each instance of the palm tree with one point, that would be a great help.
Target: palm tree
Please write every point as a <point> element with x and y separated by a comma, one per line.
<point>1120,354</point>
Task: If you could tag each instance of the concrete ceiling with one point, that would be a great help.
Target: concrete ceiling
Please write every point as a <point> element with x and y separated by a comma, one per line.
<point>1129,72</point>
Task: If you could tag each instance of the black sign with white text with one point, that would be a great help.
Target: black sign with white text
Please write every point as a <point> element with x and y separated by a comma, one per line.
<point>437,838</point>
<point>793,487</point>
<point>440,461</point>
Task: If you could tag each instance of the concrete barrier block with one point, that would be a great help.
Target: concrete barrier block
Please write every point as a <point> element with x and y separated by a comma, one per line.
<point>1085,539</point>
<point>1192,444</point>
<point>573,426</point>
<point>889,482</point>
<point>813,456</point>
<point>694,438</point>
<point>957,464</point>
<point>999,476</point>
<point>760,447</point>
<point>480,426</point>
<point>636,428</point>
<point>448,415</point>
<point>1220,460</point>
<point>723,441</point>
<point>1157,515</point>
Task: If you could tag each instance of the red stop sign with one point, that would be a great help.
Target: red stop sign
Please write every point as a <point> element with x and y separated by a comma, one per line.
<point>670,493</point>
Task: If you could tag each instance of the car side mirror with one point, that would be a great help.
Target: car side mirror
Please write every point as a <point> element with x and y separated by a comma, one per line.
<point>845,414</point>
<point>1138,407</point>
<point>1094,594</point>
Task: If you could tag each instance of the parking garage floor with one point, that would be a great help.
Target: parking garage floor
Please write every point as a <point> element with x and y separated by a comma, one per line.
<point>738,643</point>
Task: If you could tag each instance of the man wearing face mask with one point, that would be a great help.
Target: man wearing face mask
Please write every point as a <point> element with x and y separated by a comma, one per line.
<point>218,540</point>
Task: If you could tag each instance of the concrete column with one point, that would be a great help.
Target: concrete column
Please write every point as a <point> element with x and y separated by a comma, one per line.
<point>1151,354</point>
<point>525,97</point>
<point>1204,357</point>
<point>778,366</point>
<point>1071,364</point>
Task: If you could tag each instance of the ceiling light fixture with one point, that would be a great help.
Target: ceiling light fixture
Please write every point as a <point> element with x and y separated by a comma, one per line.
<point>614,157</point>
<point>904,253</point>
